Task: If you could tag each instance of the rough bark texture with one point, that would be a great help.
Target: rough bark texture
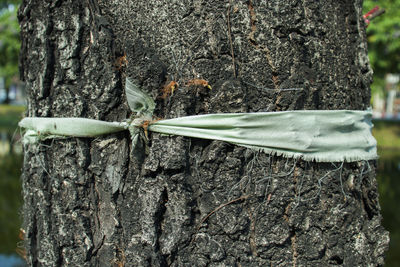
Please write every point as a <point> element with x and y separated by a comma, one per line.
<point>192,202</point>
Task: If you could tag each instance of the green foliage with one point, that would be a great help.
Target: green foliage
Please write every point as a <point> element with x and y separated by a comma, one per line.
<point>6,3</point>
<point>387,134</point>
<point>9,2</point>
<point>383,35</point>
<point>9,42</point>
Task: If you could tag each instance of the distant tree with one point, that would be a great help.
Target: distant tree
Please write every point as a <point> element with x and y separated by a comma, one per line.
<point>9,42</point>
<point>383,41</point>
<point>6,3</point>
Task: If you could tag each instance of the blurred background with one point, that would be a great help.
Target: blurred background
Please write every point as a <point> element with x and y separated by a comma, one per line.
<point>383,34</point>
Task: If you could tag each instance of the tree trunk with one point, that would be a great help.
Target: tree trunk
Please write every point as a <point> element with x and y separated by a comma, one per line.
<point>194,202</point>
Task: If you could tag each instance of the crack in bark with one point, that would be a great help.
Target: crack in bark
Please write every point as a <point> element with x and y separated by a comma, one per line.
<point>252,236</point>
<point>33,249</point>
<point>120,259</point>
<point>159,225</point>
<point>218,208</point>
<point>264,49</point>
<point>252,24</point>
<point>230,38</point>
<point>293,240</point>
<point>50,59</point>
<point>96,250</point>
<point>98,246</point>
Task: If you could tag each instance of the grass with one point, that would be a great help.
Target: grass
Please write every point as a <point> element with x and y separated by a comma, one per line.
<point>9,116</point>
<point>4,109</point>
<point>387,134</point>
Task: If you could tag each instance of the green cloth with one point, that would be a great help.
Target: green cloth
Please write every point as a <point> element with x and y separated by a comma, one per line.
<point>319,135</point>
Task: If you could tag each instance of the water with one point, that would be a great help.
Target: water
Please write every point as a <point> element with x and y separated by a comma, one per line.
<point>389,198</point>
<point>11,261</point>
<point>10,206</point>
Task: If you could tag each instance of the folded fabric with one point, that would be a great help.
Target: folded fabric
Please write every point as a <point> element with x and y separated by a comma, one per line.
<point>313,135</point>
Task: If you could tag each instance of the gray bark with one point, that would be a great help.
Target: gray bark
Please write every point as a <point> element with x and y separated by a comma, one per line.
<point>193,202</point>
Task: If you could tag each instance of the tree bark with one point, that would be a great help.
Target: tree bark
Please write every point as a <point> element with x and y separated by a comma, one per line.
<point>193,202</point>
